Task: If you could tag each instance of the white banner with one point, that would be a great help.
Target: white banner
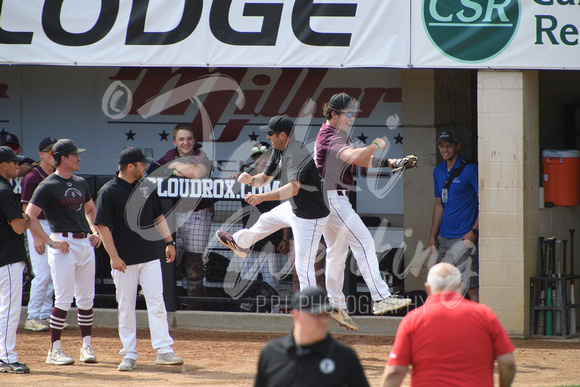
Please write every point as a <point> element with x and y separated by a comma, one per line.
<point>206,33</point>
<point>522,34</point>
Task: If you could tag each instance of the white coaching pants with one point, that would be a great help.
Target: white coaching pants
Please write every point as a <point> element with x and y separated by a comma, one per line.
<point>73,274</point>
<point>306,234</point>
<point>147,274</point>
<point>10,306</point>
<point>41,290</point>
<point>346,229</point>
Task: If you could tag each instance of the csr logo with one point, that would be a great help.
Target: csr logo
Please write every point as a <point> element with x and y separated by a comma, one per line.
<point>471,30</point>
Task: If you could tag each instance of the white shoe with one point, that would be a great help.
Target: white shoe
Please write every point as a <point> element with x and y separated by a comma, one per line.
<point>36,325</point>
<point>167,359</point>
<point>127,364</point>
<point>344,320</point>
<point>390,303</point>
<point>87,354</point>
<point>59,357</point>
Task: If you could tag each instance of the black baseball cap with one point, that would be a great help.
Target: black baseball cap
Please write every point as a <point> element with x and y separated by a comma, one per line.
<point>8,155</point>
<point>342,101</point>
<point>447,136</point>
<point>279,124</point>
<point>313,300</point>
<point>131,155</point>
<point>65,147</point>
<point>46,144</point>
<point>9,138</point>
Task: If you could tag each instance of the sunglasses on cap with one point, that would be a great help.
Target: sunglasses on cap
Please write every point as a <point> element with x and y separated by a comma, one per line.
<point>261,149</point>
<point>273,132</point>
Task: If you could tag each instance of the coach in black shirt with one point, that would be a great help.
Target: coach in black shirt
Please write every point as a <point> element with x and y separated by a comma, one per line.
<point>309,356</point>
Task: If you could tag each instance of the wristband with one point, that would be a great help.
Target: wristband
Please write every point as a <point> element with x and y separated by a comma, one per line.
<point>172,243</point>
<point>285,240</point>
<point>175,172</point>
<point>377,144</point>
<point>51,243</point>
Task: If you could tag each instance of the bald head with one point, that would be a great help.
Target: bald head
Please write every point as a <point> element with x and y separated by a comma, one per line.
<point>443,277</point>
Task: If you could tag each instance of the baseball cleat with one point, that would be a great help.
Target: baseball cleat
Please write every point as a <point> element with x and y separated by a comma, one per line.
<point>389,304</point>
<point>14,368</point>
<point>168,359</point>
<point>343,319</point>
<point>87,354</point>
<point>227,240</point>
<point>36,325</point>
<point>59,357</point>
<point>127,364</point>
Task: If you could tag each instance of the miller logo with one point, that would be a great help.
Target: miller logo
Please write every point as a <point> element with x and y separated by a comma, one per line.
<point>471,30</point>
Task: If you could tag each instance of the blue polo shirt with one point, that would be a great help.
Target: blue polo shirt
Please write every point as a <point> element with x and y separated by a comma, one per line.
<point>461,209</point>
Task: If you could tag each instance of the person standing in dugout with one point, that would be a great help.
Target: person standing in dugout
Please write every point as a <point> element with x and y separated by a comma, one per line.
<point>194,216</point>
<point>335,155</point>
<point>41,289</point>
<point>13,222</point>
<point>67,204</point>
<point>135,258</point>
<point>302,206</point>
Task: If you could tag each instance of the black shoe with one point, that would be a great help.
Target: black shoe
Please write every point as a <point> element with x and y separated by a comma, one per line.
<point>15,368</point>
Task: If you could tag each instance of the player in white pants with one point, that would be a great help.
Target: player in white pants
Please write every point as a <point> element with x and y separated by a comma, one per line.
<point>303,207</point>
<point>334,155</point>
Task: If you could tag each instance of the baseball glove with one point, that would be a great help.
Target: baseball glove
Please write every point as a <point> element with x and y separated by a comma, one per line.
<point>399,165</point>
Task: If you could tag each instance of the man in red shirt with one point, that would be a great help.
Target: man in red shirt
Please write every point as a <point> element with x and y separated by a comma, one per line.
<point>450,341</point>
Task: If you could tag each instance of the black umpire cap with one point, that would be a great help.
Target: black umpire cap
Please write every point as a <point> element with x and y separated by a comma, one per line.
<point>313,300</point>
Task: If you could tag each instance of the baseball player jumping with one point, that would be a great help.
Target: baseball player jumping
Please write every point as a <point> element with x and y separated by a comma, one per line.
<point>302,208</point>
<point>334,156</point>
<point>135,259</point>
<point>66,201</point>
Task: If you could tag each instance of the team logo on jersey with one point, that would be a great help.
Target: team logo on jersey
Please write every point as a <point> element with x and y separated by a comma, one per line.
<point>327,366</point>
<point>471,30</point>
<point>73,198</point>
<point>145,192</point>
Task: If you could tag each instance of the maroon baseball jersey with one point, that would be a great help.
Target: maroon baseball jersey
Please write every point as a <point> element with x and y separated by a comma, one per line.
<point>29,184</point>
<point>329,144</point>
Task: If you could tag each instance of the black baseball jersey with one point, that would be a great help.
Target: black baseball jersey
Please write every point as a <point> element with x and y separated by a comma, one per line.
<point>63,202</point>
<point>12,249</point>
<point>296,163</point>
<point>114,202</point>
<point>327,363</point>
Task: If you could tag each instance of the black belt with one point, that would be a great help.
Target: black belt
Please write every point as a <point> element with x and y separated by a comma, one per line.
<point>76,235</point>
<point>342,193</point>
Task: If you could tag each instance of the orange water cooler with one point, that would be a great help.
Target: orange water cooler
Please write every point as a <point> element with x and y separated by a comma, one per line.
<point>561,177</point>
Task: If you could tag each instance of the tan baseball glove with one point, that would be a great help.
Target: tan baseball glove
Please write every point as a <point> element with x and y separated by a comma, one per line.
<point>399,165</point>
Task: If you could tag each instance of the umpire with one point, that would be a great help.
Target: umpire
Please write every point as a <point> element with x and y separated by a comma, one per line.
<point>135,256</point>
<point>12,255</point>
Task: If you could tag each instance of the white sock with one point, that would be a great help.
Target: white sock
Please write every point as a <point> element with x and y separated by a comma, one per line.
<point>55,345</point>
<point>87,340</point>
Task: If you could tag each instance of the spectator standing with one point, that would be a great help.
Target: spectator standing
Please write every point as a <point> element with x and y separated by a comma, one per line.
<point>25,164</point>
<point>67,204</point>
<point>13,222</point>
<point>450,341</point>
<point>135,259</point>
<point>309,356</point>
<point>194,216</point>
<point>455,226</point>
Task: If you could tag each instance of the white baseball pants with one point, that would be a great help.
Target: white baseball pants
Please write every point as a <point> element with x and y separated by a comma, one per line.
<point>306,234</point>
<point>346,229</point>
<point>73,274</point>
<point>10,306</point>
<point>41,289</point>
<point>147,274</point>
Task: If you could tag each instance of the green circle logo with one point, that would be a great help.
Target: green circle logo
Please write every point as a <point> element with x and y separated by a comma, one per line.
<point>471,30</point>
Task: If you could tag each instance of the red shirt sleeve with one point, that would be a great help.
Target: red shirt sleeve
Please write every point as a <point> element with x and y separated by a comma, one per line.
<point>401,353</point>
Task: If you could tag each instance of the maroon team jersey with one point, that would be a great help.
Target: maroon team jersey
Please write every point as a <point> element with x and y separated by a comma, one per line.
<point>29,184</point>
<point>329,144</point>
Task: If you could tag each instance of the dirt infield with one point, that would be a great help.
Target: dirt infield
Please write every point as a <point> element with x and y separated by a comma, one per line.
<point>229,359</point>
